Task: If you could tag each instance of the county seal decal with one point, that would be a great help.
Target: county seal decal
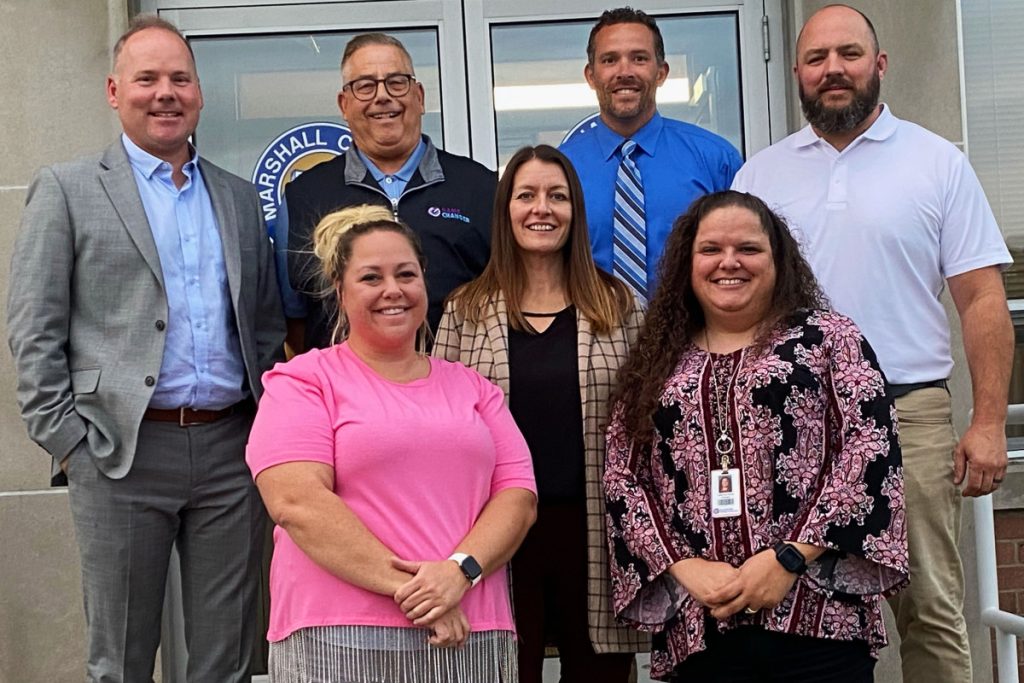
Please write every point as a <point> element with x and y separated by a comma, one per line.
<point>289,155</point>
<point>581,128</point>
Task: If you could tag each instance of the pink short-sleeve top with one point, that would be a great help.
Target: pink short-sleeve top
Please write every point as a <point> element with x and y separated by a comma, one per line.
<point>416,462</point>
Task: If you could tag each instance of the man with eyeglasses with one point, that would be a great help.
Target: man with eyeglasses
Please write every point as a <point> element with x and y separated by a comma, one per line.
<point>446,199</point>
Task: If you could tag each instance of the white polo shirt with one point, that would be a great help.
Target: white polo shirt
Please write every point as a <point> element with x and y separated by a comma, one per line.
<point>883,224</point>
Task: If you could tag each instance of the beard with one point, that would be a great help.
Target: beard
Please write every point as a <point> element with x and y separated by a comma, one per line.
<point>844,119</point>
<point>644,100</point>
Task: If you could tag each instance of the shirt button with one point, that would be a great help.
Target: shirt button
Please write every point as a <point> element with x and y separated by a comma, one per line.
<point>160,325</point>
<point>388,180</point>
<point>150,381</point>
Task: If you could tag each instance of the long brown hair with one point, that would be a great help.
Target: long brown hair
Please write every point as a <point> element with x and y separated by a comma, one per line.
<point>599,297</point>
<point>675,315</point>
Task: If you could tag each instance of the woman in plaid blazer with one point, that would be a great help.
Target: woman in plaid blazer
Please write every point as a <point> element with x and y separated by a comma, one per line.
<point>543,320</point>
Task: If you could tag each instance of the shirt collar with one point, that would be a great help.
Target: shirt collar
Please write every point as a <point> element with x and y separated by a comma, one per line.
<point>646,138</point>
<point>883,127</point>
<point>405,173</point>
<point>148,165</point>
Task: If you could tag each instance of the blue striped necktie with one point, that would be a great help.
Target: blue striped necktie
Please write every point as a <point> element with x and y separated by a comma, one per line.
<point>629,234</point>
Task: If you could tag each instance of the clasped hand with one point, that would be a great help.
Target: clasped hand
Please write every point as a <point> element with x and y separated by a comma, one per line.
<point>759,583</point>
<point>431,599</point>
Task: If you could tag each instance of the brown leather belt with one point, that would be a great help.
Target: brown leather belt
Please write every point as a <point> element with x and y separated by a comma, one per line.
<point>188,417</point>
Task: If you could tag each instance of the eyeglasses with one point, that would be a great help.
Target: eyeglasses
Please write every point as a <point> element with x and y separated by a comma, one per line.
<point>365,89</point>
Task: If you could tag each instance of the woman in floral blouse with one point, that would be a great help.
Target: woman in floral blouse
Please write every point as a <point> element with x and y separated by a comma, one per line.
<point>742,374</point>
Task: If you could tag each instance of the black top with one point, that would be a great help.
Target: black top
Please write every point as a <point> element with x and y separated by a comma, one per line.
<point>544,398</point>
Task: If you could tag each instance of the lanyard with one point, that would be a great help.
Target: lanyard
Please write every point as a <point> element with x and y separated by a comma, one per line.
<point>724,444</point>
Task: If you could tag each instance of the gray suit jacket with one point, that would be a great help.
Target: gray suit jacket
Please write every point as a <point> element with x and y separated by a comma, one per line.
<point>87,310</point>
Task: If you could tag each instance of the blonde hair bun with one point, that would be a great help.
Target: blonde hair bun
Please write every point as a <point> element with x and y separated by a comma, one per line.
<point>330,229</point>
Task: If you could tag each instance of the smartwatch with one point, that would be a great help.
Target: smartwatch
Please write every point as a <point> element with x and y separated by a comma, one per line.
<point>470,567</point>
<point>791,559</point>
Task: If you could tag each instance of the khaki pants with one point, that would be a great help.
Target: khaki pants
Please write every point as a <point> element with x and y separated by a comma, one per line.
<point>929,613</point>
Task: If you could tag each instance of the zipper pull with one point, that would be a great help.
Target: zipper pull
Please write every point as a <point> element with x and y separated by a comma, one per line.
<point>394,207</point>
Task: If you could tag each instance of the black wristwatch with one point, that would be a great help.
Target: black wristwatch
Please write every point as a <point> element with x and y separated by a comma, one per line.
<point>791,559</point>
<point>470,567</point>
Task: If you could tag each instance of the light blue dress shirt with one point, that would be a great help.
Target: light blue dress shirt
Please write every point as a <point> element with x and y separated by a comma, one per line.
<point>202,364</point>
<point>394,184</point>
<point>294,303</point>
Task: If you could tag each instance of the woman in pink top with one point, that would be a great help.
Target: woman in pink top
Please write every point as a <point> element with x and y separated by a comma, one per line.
<point>399,484</point>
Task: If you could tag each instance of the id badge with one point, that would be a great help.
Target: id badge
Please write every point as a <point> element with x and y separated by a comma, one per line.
<point>725,493</point>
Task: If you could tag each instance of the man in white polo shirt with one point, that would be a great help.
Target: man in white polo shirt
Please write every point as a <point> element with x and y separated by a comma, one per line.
<point>888,214</point>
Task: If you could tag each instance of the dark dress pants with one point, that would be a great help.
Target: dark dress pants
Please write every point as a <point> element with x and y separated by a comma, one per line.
<point>190,487</point>
<point>750,654</point>
<point>549,595</point>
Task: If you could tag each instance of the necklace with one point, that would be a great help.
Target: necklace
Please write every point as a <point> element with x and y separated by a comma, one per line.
<point>723,444</point>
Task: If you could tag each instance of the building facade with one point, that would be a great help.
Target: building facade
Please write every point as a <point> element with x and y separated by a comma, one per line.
<point>498,74</point>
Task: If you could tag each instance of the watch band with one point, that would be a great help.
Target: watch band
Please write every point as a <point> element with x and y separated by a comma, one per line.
<point>470,567</point>
<point>791,559</point>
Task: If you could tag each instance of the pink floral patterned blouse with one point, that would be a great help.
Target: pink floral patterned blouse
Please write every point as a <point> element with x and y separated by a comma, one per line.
<point>819,459</point>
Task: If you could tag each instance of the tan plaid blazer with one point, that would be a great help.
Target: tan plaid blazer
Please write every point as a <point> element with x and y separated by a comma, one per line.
<point>483,346</point>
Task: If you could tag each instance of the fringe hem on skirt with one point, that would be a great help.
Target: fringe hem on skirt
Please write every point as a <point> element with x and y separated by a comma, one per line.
<point>380,654</point>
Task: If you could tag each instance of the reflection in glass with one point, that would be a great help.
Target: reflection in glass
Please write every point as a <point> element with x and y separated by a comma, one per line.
<point>540,91</point>
<point>257,87</point>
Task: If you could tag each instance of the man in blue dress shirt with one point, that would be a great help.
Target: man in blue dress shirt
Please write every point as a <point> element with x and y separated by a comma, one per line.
<point>676,161</point>
<point>143,311</point>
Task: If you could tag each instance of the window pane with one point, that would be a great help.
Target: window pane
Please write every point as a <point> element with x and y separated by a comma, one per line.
<point>993,60</point>
<point>257,87</point>
<point>540,91</point>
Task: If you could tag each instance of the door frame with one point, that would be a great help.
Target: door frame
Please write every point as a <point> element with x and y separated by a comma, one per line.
<point>309,16</point>
<point>463,28</point>
<point>761,105</point>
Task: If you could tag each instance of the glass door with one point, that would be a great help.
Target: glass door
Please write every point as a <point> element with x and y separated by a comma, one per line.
<point>534,70</point>
<point>271,75</point>
<point>260,87</point>
<point>269,71</point>
<point>498,73</point>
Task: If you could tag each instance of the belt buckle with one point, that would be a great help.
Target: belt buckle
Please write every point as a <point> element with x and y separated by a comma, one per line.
<point>181,418</point>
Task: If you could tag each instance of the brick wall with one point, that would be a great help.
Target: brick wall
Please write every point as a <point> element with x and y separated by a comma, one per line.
<point>1010,566</point>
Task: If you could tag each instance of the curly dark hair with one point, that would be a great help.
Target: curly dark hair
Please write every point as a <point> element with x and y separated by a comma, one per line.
<point>675,315</point>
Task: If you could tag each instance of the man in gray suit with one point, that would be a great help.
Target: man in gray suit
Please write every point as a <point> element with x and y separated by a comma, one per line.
<point>142,312</point>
